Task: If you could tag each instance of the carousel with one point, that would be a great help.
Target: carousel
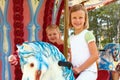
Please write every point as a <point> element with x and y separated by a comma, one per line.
<point>22,33</point>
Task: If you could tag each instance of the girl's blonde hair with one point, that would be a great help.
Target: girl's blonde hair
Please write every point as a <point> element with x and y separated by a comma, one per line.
<point>52,27</point>
<point>78,7</point>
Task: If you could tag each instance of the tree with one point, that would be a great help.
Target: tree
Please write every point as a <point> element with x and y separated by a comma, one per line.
<point>103,21</point>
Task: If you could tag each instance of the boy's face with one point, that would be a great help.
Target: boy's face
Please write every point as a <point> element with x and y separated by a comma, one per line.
<point>53,35</point>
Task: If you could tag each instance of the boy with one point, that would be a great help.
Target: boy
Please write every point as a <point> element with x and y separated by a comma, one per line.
<point>54,37</point>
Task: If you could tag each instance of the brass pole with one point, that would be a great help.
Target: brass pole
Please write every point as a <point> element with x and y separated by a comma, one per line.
<point>66,25</point>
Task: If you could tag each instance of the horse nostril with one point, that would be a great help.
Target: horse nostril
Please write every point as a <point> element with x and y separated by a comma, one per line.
<point>31,65</point>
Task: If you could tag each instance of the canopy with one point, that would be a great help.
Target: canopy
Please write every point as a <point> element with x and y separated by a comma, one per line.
<point>91,4</point>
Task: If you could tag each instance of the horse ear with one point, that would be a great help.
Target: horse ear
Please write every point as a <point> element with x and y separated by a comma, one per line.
<point>27,47</point>
<point>24,47</point>
<point>19,47</point>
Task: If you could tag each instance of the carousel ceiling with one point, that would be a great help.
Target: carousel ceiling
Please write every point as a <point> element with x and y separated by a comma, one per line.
<point>91,4</point>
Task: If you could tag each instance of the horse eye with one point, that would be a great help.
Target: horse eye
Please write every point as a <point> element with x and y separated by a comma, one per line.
<point>31,65</point>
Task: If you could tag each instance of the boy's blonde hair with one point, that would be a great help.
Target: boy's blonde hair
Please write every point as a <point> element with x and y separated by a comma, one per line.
<point>78,7</point>
<point>52,27</point>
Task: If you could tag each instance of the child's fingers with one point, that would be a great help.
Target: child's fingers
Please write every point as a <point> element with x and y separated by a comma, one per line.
<point>11,58</point>
<point>14,62</point>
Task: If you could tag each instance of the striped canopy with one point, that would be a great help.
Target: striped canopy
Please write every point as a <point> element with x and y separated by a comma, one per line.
<point>91,4</point>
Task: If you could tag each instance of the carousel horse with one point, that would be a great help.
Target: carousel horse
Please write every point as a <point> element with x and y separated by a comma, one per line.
<point>43,61</point>
<point>118,68</point>
<point>108,55</point>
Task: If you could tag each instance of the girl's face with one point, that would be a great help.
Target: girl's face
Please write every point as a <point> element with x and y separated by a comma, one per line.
<point>78,19</point>
<point>53,35</point>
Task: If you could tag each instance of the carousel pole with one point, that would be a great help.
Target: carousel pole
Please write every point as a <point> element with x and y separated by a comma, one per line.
<point>66,25</point>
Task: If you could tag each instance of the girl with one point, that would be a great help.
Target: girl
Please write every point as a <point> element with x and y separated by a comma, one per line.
<point>84,53</point>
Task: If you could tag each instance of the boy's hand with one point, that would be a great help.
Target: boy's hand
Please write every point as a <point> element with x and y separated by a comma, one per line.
<point>12,60</point>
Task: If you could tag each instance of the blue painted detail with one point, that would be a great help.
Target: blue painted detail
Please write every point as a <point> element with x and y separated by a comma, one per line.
<point>34,21</point>
<point>5,54</point>
<point>55,11</point>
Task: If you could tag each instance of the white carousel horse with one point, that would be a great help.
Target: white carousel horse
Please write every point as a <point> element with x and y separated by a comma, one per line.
<point>110,54</point>
<point>39,61</point>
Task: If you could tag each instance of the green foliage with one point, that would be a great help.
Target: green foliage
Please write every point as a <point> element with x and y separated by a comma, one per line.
<point>103,21</point>
<point>105,41</point>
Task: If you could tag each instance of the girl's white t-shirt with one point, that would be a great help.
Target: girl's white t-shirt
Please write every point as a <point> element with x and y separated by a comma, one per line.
<point>79,49</point>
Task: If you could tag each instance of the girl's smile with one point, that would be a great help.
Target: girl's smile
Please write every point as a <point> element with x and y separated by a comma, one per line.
<point>78,19</point>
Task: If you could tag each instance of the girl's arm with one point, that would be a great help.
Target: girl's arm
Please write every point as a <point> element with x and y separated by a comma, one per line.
<point>93,58</point>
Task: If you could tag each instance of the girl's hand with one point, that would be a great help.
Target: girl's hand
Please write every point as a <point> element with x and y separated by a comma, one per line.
<point>76,70</point>
<point>12,60</point>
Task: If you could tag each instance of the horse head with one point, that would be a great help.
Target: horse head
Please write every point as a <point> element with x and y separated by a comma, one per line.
<point>109,55</point>
<point>39,61</point>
